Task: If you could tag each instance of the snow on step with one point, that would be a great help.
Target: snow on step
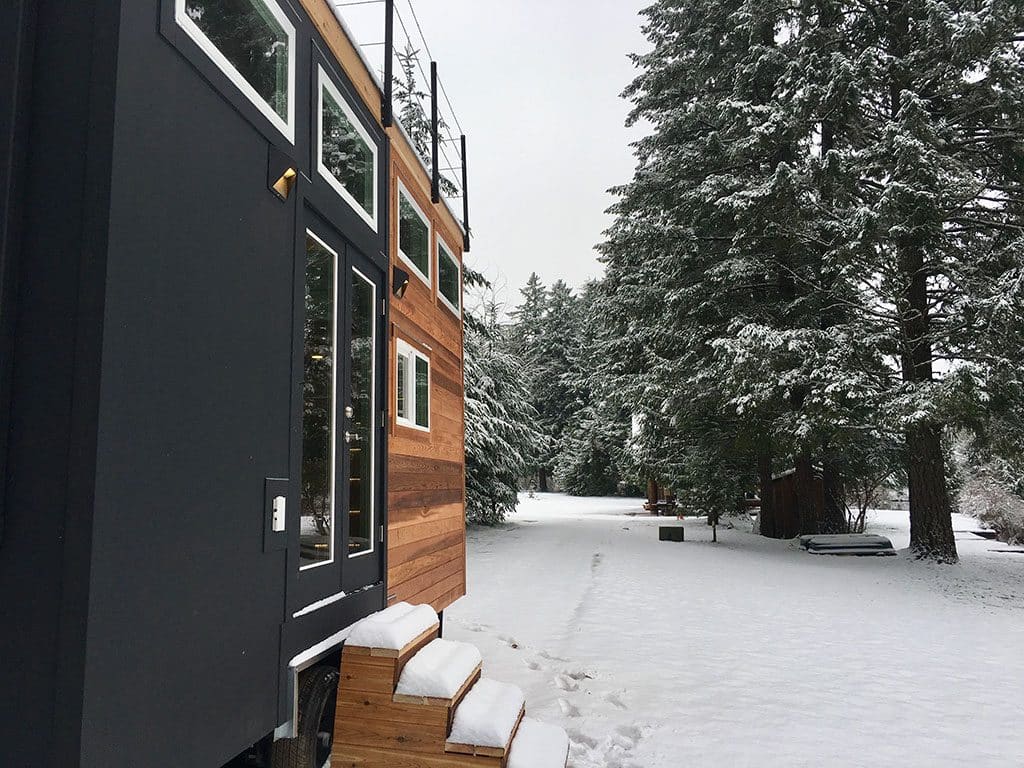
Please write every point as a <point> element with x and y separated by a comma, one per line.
<point>488,715</point>
<point>440,670</point>
<point>539,745</point>
<point>393,628</point>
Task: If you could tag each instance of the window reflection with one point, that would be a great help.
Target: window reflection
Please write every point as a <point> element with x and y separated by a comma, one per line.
<point>316,541</point>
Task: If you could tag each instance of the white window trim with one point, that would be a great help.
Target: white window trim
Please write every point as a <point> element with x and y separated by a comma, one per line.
<point>218,58</point>
<point>404,348</point>
<point>334,412</point>
<point>372,461</point>
<point>325,81</point>
<point>442,251</point>
<point>403,192</point>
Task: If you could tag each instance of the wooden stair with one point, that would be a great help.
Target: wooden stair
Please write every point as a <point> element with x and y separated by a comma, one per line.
<point>385,720</point>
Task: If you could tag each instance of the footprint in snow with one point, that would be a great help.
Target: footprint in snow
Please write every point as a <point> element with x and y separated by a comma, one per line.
<point>582,739</point>
<point>511,642</point>
<point>568,708</point>
<point>616,700</point>
<point>566,683</point>
<point>549,657</point>
<point>534,665</point>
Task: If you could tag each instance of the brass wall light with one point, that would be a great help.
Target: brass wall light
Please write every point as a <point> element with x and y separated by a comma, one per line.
<point>400,282</point>
<point>285,184</point>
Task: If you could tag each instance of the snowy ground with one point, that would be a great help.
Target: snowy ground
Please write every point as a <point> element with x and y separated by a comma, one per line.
<point>749,652</point>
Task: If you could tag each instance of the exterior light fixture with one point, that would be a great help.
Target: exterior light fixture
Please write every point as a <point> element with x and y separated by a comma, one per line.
<point>400,282</point>
<point>285,184</point>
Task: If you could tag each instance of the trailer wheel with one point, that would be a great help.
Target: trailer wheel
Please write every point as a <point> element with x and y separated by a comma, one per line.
<point>318,693</point>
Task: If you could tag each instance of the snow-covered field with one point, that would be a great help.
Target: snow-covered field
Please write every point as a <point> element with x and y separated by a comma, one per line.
<point>749,652</point>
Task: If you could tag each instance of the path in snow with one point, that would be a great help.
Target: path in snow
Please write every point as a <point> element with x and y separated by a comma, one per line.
<point>749,652</point>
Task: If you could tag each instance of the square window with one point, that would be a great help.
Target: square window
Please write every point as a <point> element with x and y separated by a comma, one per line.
<point>253,43</point>
<point>347,156</point>
<point>449,278</point>
<point>413,388</point>
<point>413,235</point>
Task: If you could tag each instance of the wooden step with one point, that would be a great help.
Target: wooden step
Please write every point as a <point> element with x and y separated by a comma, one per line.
<point>440,674</point>
<point>538,745</point>
<point>486,721</point>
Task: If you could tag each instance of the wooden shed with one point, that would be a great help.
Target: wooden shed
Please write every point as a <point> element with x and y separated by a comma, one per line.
<point>784,521</point>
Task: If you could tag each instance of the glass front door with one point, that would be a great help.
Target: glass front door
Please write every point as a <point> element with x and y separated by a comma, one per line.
<point>338,525</point>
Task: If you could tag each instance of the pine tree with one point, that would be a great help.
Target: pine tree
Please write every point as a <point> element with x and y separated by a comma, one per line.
<point>525,342</point>
<point>501,433</point>
<point>936,151</point>
<point>411,113</point>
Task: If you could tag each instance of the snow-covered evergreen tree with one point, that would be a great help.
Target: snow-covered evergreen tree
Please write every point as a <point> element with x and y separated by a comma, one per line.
<point>501,432</point>
<point>829,202</point>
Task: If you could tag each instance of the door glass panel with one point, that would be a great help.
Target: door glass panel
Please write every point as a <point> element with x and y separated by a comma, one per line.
<point>318,412</point>
<point>360,431</point>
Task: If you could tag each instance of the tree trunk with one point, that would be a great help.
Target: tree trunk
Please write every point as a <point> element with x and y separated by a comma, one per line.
<point>542,479</point>
<point>931,524</point>
<point>834,519</point>
<point>931,521</point>
<point>766,517</point>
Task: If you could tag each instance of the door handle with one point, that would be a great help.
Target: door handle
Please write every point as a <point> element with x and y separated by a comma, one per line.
<point>351,437</point>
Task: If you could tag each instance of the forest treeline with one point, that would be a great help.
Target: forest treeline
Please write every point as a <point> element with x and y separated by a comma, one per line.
<point>818,265</point>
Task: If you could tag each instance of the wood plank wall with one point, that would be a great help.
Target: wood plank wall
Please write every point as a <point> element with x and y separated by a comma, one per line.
<point>426,471</point>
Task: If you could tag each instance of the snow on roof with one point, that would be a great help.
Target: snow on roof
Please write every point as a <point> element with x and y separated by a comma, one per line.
<point>393,628</point>
<point>439,670</point>
<point>488,715</point>
<point>538,745</point>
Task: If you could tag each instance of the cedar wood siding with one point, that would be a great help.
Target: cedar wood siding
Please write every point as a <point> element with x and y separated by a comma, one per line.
<point>426,472</point>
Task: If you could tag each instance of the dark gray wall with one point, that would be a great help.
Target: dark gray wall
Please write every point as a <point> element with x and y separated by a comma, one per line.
<point>53,369</point>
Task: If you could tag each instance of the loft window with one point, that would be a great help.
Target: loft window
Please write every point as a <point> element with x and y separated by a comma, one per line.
<point>449,278</point>
<point>413,235</point>
<point>347,155</point>
<point>413,388</point>
<point>253,43</point>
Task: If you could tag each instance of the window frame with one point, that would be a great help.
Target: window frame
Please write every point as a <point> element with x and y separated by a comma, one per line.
<point>336,258</point>
<point>324,80</point>
<point>403,191</point>
<point>403,348</point>
<point>444,250</point>
<point>207,46</point>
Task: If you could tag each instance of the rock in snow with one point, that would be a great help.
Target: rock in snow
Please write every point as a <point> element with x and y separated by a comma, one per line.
<point>439,670</point>
<point>488,714</point>
<point>393,628</point>
<point>539,745</point>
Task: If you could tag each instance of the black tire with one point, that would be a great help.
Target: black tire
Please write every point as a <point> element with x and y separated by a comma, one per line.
<point>318,692</point>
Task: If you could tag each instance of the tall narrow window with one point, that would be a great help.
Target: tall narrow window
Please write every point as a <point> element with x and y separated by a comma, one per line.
<point>360,432</point>
<point>318,408</point>
<point>413,380</point>
<point>253,43</point>
<point>413,235</point>
<point>449,278</point>
<point>347,155</point>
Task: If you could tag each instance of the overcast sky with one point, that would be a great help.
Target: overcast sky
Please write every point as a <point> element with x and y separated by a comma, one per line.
<point>535,85</point>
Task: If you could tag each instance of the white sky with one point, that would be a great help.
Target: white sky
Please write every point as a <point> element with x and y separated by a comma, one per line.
<point>535,85</point>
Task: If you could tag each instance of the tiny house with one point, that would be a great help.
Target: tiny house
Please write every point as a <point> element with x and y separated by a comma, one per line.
<point>230,375</point>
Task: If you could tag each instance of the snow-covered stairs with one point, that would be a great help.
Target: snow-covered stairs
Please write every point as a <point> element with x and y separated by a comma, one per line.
<point>407,699</point>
